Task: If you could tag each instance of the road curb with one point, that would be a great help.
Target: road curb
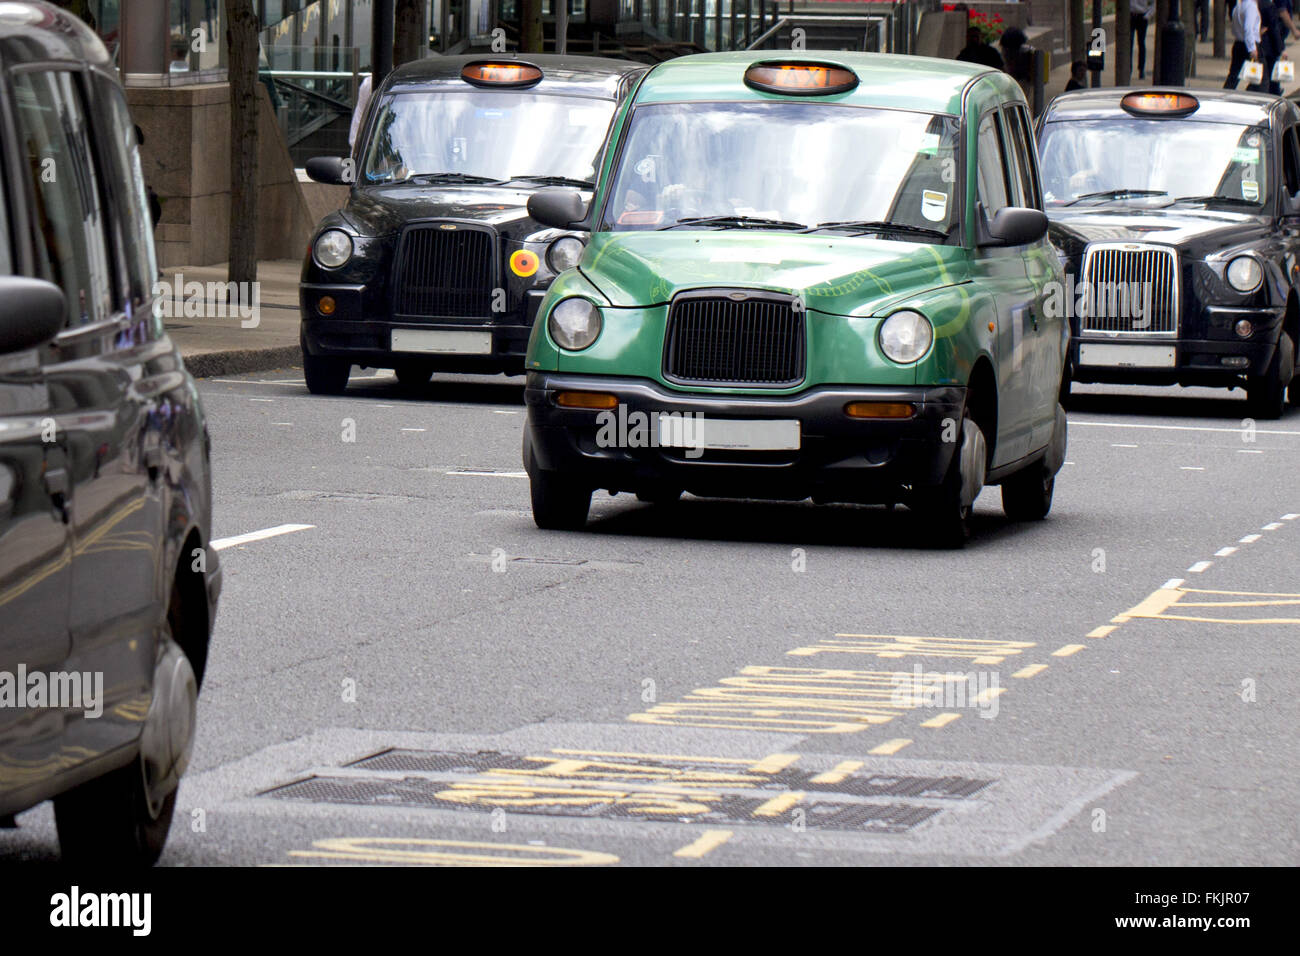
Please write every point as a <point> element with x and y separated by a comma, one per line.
<point>241,361</point>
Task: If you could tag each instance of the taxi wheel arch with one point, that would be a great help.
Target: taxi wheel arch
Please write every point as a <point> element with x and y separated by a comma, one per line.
<point>1291,326</point>
<point>982,402</point>
<point>187,611</point>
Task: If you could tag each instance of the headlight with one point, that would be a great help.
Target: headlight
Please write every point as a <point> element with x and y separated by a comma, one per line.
<point>333,248</point>
<point>906,336</point>
<point>574,324</point>
<point>1244,274</point>
<point>564,253</point>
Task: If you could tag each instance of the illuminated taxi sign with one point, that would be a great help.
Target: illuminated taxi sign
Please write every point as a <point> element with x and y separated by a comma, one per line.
<point>1160,104</point>
<point>800,79</point>
<point>491,73</point>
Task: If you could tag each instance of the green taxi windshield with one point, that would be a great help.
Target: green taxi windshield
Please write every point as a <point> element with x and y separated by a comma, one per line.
<point>486,134</point>
<point>784,165</point>
<point>1154,162</point>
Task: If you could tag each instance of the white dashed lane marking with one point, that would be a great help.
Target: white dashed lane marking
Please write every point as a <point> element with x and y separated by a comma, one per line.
<point>222,543</point>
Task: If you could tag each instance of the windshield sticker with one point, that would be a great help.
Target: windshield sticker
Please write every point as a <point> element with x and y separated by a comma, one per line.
<point>641,217</point>
<point>1252,139</point>
<point>1246,155</point>
<point>934,205</point>
<point>646,169</point>
<point>1250,190</point>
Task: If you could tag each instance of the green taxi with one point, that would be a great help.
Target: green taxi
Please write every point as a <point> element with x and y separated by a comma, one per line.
<point>808,277</point>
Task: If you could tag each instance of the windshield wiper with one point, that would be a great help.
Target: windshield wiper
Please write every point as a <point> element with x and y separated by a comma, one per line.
<point>1231,200</point>
<point>557,181</point>
<point>738,222</point>
<point>872,225</point>
<point>1116,194</point>
<point>448,178</point>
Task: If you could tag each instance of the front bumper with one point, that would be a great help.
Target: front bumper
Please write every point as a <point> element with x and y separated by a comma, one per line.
<point>1220,361</point>
<point>359,333</point>
<point>839,458</point>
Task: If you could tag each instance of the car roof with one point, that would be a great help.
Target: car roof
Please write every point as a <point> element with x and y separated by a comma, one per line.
<point>584,75</point>
<point>32,31</point>
<point>885,80</point>
<point>1216,106</point>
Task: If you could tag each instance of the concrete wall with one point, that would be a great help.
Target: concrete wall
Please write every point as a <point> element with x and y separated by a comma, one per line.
<point>186,159</point>
<point>941,33</point>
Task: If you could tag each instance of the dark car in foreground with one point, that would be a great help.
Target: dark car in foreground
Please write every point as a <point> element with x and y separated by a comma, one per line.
<point>107,587</point>
<point>1177,215</point>
<point>434,263</point>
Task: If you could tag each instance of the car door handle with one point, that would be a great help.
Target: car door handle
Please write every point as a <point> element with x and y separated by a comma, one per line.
<point>56,484</point>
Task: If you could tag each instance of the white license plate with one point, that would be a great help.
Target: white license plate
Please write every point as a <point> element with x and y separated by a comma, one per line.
<point>1128,356</point>
<point>455,343</point>
<point>688,431</point>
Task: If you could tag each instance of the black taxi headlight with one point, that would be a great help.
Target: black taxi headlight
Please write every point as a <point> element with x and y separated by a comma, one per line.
<point>1244,273</point>
<point>574,323</point>
<point>332,248</point>
<point>564,253</point>
<point>906,336</point>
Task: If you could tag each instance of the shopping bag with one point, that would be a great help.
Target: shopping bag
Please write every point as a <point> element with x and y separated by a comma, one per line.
<point>1283,71</point>
<point>1253,71</point>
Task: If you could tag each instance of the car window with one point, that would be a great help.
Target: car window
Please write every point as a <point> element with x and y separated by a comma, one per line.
<point>1023,144</point>
<point>67,220</point>
<point>991,178</point>
<point>1291,160</point>
<point>131,210</point>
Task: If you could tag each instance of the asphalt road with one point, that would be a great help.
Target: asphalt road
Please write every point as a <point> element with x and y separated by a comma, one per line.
<point>422,676</point>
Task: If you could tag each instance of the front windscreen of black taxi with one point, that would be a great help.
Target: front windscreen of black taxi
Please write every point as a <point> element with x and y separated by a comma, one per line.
<point>1157,162</point>
<point>492,135</point>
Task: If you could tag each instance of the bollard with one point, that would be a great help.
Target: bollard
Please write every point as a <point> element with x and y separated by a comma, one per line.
<point>1173,51</point>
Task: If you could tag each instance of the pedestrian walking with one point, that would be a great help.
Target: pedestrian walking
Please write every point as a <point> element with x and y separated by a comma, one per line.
<point>1139,10</point>
<point>1245,43</point>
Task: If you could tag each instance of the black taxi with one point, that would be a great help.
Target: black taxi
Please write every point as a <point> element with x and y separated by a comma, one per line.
<point>1177,216</point>
<point>108,583</point>
<point>434,263</point>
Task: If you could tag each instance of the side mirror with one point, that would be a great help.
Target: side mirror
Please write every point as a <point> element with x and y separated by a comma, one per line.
<point>34,312</point>
<point>558,207</point>
<point>331,170</point>
<point>1015,226</point>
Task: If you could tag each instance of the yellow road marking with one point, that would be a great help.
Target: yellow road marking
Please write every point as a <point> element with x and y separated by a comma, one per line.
<point>986,696</point>
<point>774,763</point>
<point>449,852</point>
<point>1150,606</point>
<point>839,773</point>
<point>890,746</point>
<point>778,805</point>
<point>711,840</point>
<point>940,720</point>
<point>1030,671</point>
<point>1281,594</point>
<point>1068,649</point>
<point>616,753</point>
<point>1101,631</point>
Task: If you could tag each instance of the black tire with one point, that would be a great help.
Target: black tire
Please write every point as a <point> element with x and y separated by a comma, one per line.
<point>559,503</point>
<point>945,510</point>
<point>107,822</point>
<point>1027,495</point>
<point>1266,394</point>
<point>413,376</point>
<point>325,375</point>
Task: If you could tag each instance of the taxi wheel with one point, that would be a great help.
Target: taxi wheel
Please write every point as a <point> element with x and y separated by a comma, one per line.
<point>1266,395</point>
<point>107,822</point>
<point>413,376</point>
<point>325,375</point>
<point>946,510</point>
<point>1027,495</point>
<point>559,503</point>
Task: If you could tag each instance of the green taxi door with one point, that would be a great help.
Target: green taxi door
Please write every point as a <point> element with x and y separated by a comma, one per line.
<point>1017,278</point>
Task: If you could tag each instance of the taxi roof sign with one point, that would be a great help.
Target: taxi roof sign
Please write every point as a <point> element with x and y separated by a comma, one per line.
<point>1159,104</point>
<point>800,79</point>
<point>501,74</point>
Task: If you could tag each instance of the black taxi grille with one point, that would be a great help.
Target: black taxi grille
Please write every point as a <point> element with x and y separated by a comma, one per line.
<point>717,340</point>
<point>444,273</point>
<point>1132,289</point>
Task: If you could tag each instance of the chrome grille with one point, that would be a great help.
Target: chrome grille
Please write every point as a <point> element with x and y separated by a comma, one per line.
<point>444,273</point>
<point>720,340</point>
<point>1118,277</point>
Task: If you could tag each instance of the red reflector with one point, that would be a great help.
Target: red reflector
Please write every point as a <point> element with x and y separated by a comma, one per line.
<point>500,74</point>
<point>801,79</point>
<point>1163,104</point>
